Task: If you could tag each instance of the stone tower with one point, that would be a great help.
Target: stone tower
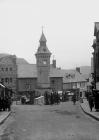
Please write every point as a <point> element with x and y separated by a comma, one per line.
<point>43,63</point>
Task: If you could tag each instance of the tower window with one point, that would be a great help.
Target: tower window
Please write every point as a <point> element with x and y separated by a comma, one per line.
<point>2,69</point>
<point>6,69</point>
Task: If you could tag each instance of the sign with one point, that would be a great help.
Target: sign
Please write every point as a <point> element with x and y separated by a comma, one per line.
<point>97,85</point>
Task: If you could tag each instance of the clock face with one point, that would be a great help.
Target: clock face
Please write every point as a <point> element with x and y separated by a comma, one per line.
<point>44,62</point>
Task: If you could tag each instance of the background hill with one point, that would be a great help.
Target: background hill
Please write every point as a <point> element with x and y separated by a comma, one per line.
<point>85,69</point>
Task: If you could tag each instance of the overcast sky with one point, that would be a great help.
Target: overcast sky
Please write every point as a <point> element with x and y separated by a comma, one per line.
<point>68,27</point>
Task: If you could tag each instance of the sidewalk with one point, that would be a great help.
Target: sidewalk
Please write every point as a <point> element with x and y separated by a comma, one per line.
<point>4,115</point>
<point>86,109</point>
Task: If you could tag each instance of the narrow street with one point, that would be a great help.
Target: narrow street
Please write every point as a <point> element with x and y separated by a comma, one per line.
<point>58,122</point>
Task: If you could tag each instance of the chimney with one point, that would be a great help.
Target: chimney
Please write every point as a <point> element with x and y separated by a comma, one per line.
<point>78,69</point>
<point>54,63</point>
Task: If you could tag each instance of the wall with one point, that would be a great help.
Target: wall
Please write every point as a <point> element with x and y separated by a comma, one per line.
<point>26,84</point>
<point>56,83</point>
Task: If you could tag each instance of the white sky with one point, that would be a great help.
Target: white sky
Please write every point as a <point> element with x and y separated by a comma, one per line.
<point>68,27</point>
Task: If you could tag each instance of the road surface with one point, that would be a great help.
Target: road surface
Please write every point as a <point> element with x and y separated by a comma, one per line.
<point>57,122</point>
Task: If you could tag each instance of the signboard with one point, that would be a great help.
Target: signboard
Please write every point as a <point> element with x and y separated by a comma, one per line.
<point>97,85</point>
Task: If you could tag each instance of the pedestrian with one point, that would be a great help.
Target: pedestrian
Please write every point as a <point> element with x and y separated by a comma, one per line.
<point>51,99</point>
<point>74,99</point>
<point>91,102</point>
<point>96,101</point>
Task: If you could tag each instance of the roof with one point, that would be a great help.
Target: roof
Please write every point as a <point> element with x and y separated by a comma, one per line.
<point>18,60</point>
<point>43,49</point>
<point>3,55</point>
<point>55,73</point>
<point>27,71</point>
<point>43,38</point>
<point>30,71</point>
<point>21,61</point>
<point>73,77</point>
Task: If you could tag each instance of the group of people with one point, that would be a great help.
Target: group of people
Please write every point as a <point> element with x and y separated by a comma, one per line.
<point>51,98</point>
<point>5,99</point>
<point>5,103</point>
<point>93,99</point>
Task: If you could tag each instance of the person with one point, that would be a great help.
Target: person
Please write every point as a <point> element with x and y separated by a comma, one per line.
<point>51,99</point>
<point>91,102</point>
<point>74,99</point>
<point>96,100</point>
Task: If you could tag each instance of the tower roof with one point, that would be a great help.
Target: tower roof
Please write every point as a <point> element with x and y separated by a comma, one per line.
<point>43,38</point>
<point>43,49</point>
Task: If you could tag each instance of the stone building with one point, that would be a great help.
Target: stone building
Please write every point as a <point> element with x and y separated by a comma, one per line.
<point>39,76</point>
<point>43,64</point>
<point>23,78</point>
<point>8,71</point>
<point>96,56</point>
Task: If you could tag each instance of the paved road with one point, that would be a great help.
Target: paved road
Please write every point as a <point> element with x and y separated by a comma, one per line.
<point>58,122</point>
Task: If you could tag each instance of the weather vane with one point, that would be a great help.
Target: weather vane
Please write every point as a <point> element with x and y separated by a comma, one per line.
<point>42,28</point>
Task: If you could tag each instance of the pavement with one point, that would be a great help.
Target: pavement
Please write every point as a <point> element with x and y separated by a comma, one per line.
<point>4,115</point>
<point>86,109</point>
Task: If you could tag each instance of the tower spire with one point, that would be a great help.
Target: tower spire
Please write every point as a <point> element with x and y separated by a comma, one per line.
<point>43,38</point>
<point>42,29</point>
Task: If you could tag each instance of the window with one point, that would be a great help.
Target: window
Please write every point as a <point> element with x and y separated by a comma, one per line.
<point>2,69</point>
<point>10,68</point>
<point>2,80</point>
<point>6,69</point>
<point>6,80</point>
<point>11,80</point>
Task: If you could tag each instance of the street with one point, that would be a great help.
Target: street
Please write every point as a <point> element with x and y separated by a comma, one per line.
<point>57,122</point>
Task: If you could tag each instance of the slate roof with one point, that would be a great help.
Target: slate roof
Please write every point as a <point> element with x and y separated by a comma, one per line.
<point>26,71</point>
<point>43,38</point>
<point>73,77</point>
<point>30,71</point>
<point>3,55</point>
<point>55,73</point>
<point>21,61</point>
<point>18,60</point>
<point>43,49</point>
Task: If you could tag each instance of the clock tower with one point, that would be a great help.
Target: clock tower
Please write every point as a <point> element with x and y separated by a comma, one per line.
<point>43,63</point>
